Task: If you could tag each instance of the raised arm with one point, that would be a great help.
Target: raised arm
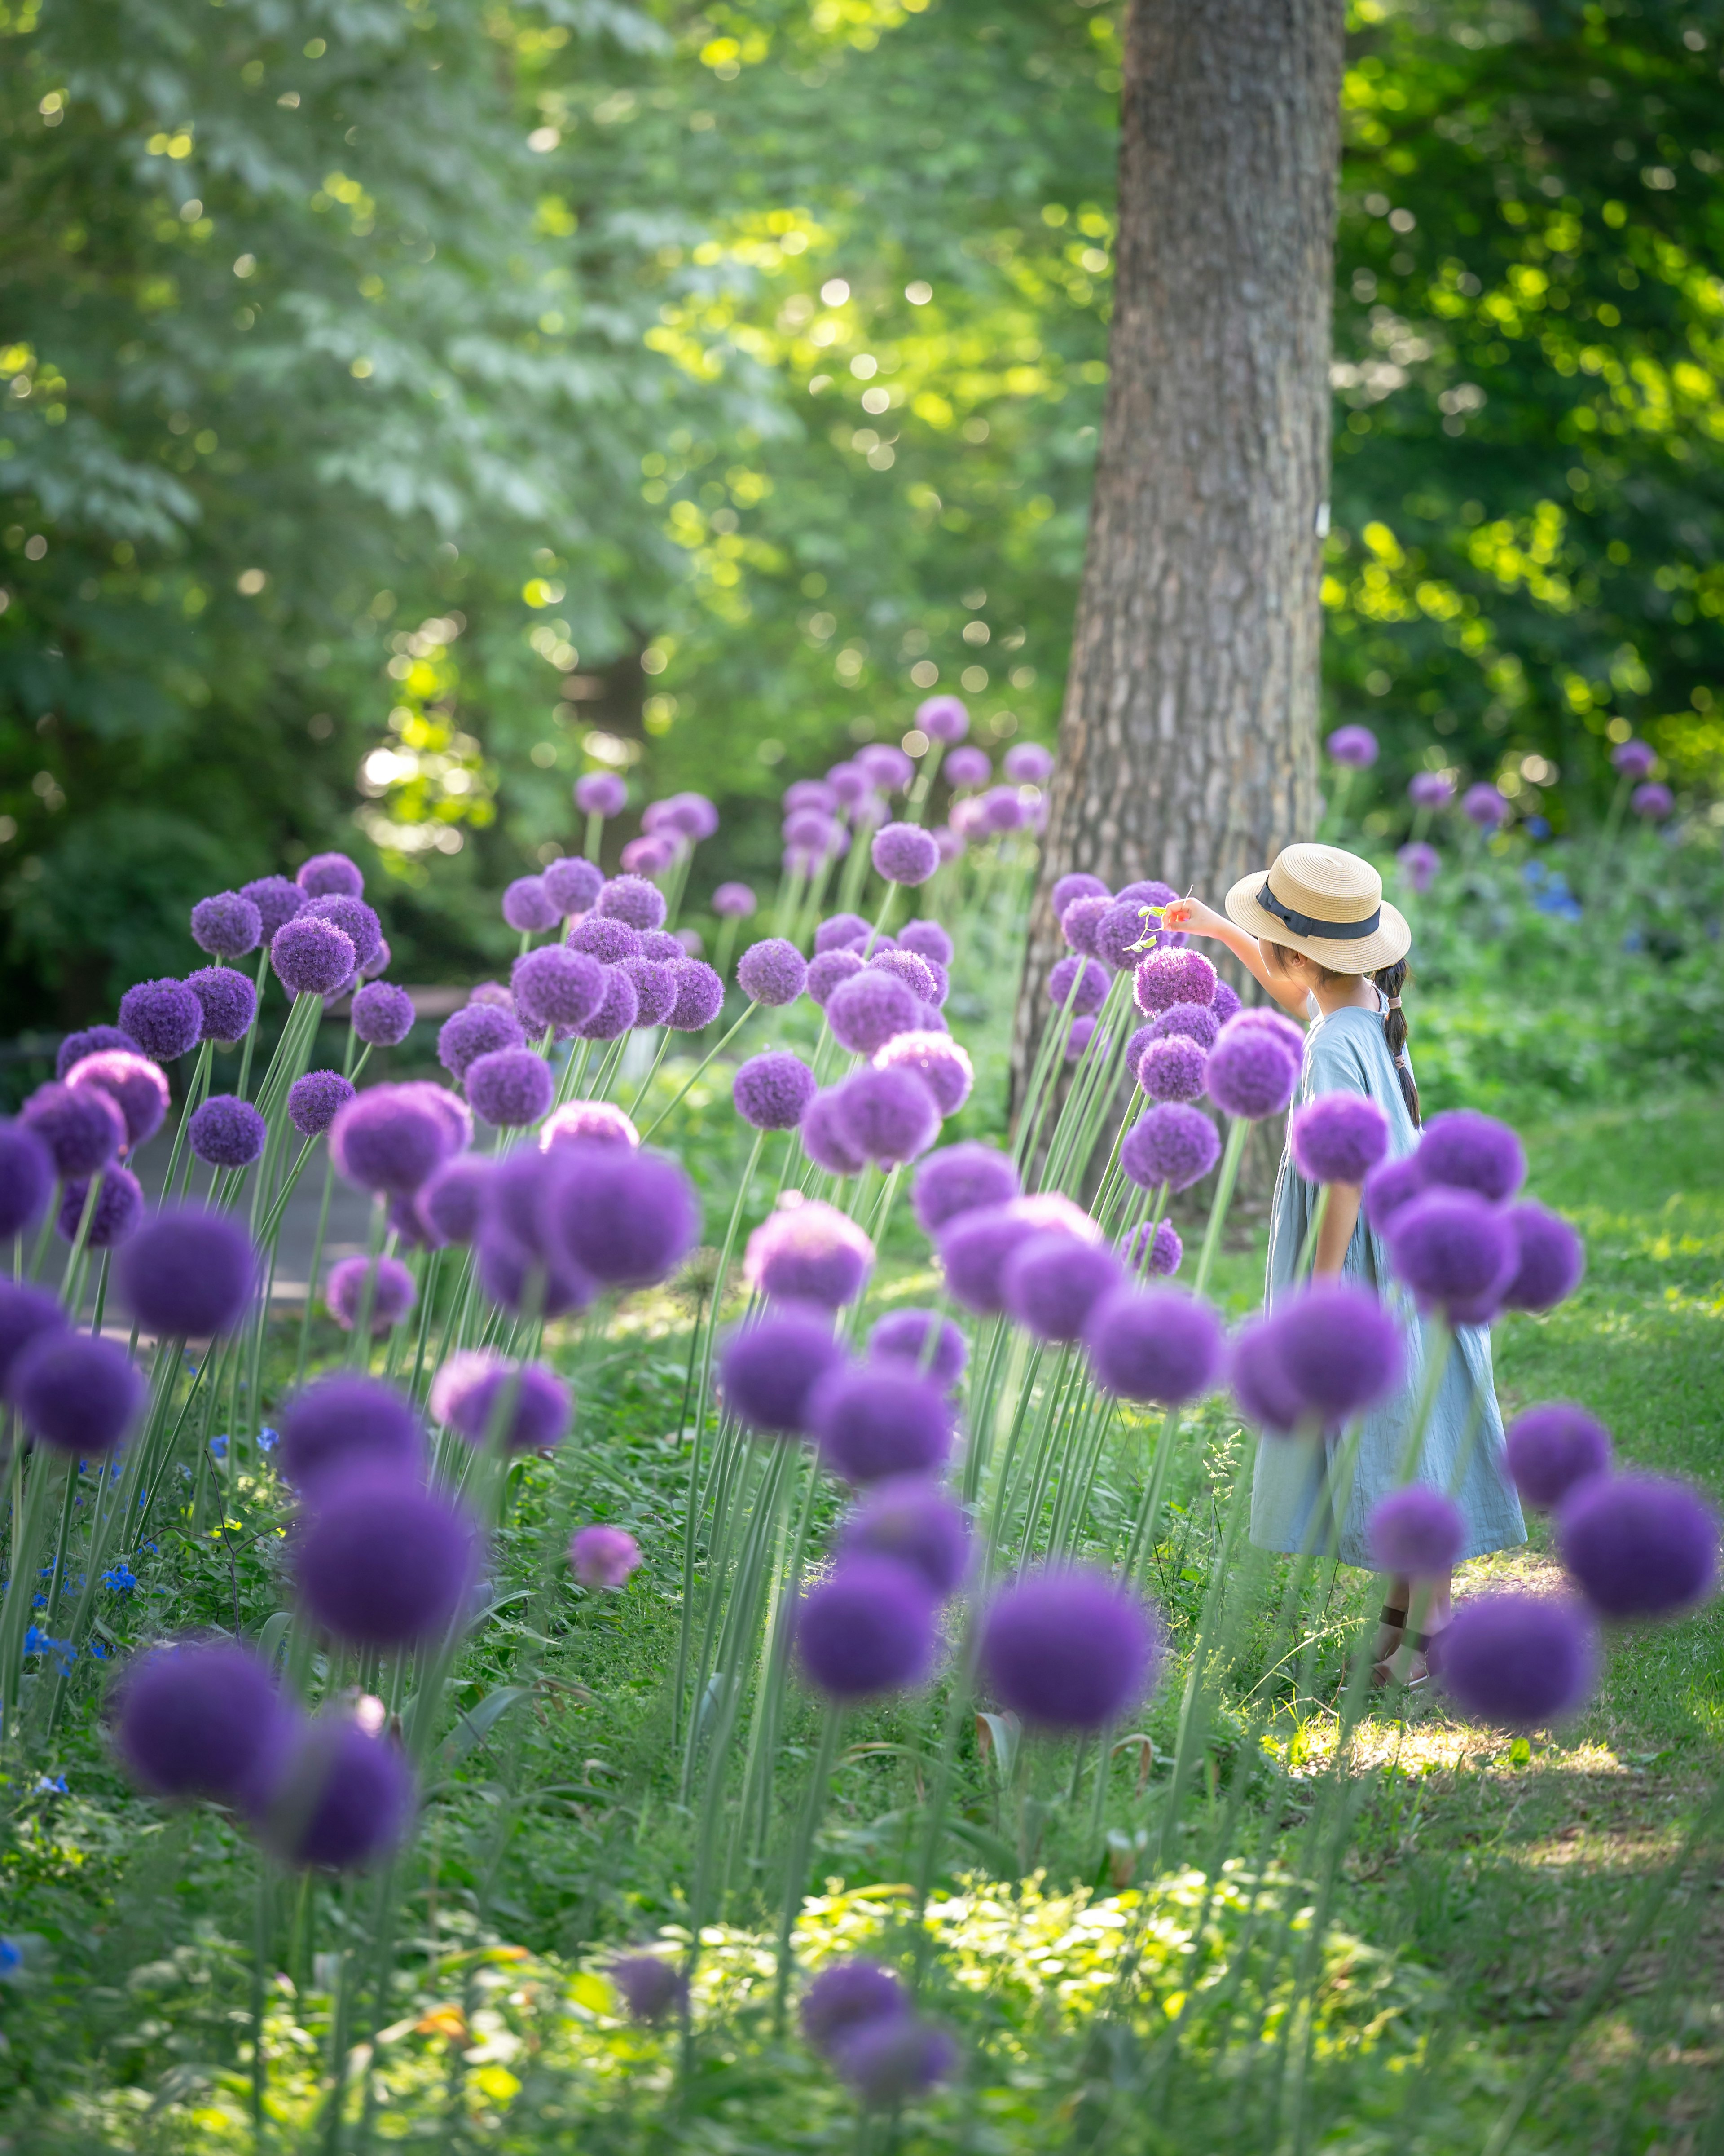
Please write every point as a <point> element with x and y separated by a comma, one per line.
<point>1191,916</point>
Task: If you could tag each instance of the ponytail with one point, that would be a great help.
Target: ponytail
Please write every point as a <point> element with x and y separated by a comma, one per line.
<point>1391,980</point>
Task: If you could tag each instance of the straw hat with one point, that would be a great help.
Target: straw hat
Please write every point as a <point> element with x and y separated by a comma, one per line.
<point>1326,903</point>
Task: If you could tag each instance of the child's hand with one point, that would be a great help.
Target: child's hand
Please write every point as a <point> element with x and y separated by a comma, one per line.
<point>1192,917</point>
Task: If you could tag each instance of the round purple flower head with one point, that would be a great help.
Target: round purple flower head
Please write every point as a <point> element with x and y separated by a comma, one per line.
<point>392,1293</point>
<point>528,906</point>
<point>1467,1151</point>
<point>383,1141</point>
<point>163,1016</point>
<point>1165,1345</point>
<point>1633,759</point>
<point>81,1126</point>
<point>312,957</point>
<point>204,1719</point>
<point>1225,1004</point>
<point>1653,802</point>
<point>474,1030</point>
<point>700,998</point>
<point>1338,1348</point>
<point>888,1116</point>
<point>511,1278</point>
<point>27,1175</point>
<point>974,1248</point>
<point>1153,1254</point>
<point>1172,1069</point>
<point>1484,806</point>
<point>912,1523</point>
<point>356,920</point>
<point>330,876</point>
<point>345,1801</point>
<point>226,1132</point>
<point>664,949</point>
<point>573,884</point>
<point>1083,1031</point>
<point>1167,978</point>
<point>451,1199</point>
<point>634,900</point>
<point>828,970</point>
<point>1081,982</point>
<point>601,793</point>
<point>888,2062</point>
<point>1050,1284</point>
<point>809,1253</point>
<point>649,1987</point>
<point>936,1061</point>
<point>1121,928</point>
<point>654,986</point>
<point>1639,1545</point>
<point>825,1135</point>
<point>313,1101</point>
<point>1028,763</point>
<point>772,1091</point>
<point>277,901</point>
<point>1068,1650</point>
<point>595,1122</point>
<point>382,1015</point>
<point>603,1557</point>
<point>622,1218</point>
<point>618,1005</point>
<point>904,854</point>
<point>26,1314</point>
<point>1456,1253</point>
<point>1420,864</point>
<point>961,1178</point>
<point>769,1370</point>
<point>93,1040</point>
<point>188,1272</point>
<point>1430,789</point>
<point>1071,888</point>
<point>881,1419</point>
<point>1339,1137</point>
<point>1251,1074</point>
<point>227,925</point>
<point>889,768</point>
<point>650,856</point>
<point>344,1423</point>
<point>119,1208</point>
<point>1521,1660</point>
<point>134,1084</point>
<point>510,1088</point>
<point>1354,746</point>
<point>840,931</point>
<point>943,718</point>
<point>927,939</point>
<point>1172,1144</point>
<point>228,1000</point>
<point>771,972</point>
<point>734,901</point>
<point>383,1563</point>
<point>1552,1447</point>
<point>846,1998</point>
<point>1416,1532</point>
<point>867,1010</point>
<point>915,973</point>
<point>1195,1022</point>
<point>1276,1023</point>
<point>603,936</point>
<point>869,1629</point>
<point>1553,1259</point>
<point>902,1335</point>
<point>77,1394</point>
<point>1390,1186</point>
<point>850,782</point>
<point>493,994</point>
<point>468,1392</point>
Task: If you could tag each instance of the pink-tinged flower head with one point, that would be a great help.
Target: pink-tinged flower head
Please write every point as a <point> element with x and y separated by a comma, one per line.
<point>528,906</point>
<point>734,901</point>
<point>1653,802</point>
<point>904,854</point>
<point>1639,1545</point>
<point>601,793</point>
<point>771,972</point>
<point>1466,1150</point>
<point>135,1085</point>
<point>1172,1144</point>
<point>1633,759</point>
<point>809,1253</point>
<point>594,1122</point>
<point>1164,1345</point>
<point>1483,805</point>
<point>1069,1649</point>
<point>865,1011</point>
<point>227,925</point>
<point>869,1629</point>
<point>1170,977</point>
<point>976,1246</point>
<point>605,1557</point>
<point>1420,864</point>
<point>1455,1252</point>
<point>1081,982</point>
<point>1251,1073</point>
<point>573,883</point>
<point>1552,1448</point>
<point>771,1368</point>
<point>888,1114</point>
<point>392,1293</point>
<point>943,718</point>
<point>163,1016</point>
<point>969,766</point>
<point>1430,789</point>
<point>937,1059</point>
<point>1517,1660</point>
<point>1417,1532</point>
<point>1354,747</point>
<point>772,1091</point>
<point>959,1179</point>
<point>1339,1137</point>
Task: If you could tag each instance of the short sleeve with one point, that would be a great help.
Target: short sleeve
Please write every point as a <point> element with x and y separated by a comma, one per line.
<point>1334,1062</point>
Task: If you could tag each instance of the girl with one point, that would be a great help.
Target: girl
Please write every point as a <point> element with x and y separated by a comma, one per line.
<point>1315,930</point>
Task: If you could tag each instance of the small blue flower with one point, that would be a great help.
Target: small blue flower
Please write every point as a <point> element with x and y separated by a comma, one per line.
<point>1537,827</point>
<point>218,1448</point>
<point>122,1579</point>
<point>11,1956</point>
<point>50,1785</point>
<point>1533,873</point>
<point>98,1650</point>
<point>268,1438</point>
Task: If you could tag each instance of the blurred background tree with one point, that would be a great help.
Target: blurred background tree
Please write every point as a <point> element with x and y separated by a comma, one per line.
<point>406,408</point>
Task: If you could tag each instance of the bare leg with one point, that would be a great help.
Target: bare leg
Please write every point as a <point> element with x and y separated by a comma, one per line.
<point>1429,1600</point>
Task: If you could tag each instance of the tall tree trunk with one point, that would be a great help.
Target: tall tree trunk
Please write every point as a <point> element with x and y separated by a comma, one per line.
<point>1188,741</point>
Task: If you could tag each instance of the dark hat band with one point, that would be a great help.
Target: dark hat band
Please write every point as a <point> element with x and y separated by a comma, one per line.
<point>1327,932</point>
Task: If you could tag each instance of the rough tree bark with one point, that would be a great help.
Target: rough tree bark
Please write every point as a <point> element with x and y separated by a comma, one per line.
<point>1187,740</point>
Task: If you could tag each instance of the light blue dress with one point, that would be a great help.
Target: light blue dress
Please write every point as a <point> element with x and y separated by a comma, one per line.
<point>1300,1480</point>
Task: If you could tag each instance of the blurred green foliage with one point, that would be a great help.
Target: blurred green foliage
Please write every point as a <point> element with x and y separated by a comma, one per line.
<point>405,405</point>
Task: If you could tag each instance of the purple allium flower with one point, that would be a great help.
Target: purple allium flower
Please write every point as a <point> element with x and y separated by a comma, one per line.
<point>1639,1545</point>
<point>936,1061</point>
<point>1419,864</point>
<point>889,2062</point>
<point>93,1040</point>
<point>961,1178</point>
<point>915,973</point>
<point>811,835</point>
<point>604,937</point>
<point>226,926</point>
<point>204,1719</point>
<point>622,1218</point>
<point>1416,1530</point>
<point>771,972</point>
<point>867,1629</point>
<point>573,883</point>
<point>1456,1253</point>
<point>974,1248</point>
<point>601,793</point>
<point>1633,759</point>
<point>226,1132</point>
<point>829,969</point>
<point>1553,1259</point>
<point>928,940</point>
<point>493,994</point>
<point>277,900</point>
<point>1430,789</point>
<point>844,1999</point>
<point>943,718</point>
<point>654,986</point>
<point>1354,746</point>
<point>383,1141</point>
<point>474,1030</point>
<point>555,986</point>
<point>650,856</point>
<point>633,899</point>
<point>1224,1004</point>
<point>1001,809</point>
<point>382,1015</point>
<point>1551,1449</point>
<point>26,1176</point>
<point>1339,1137</point>
<point>603,1557</point>
<point>1251,1074</point>
<point>451,1199</point>
<point>455,1119</point>
<point>1121,927</point>
<point>850,782</point>
<point>163,1016</point>
<point>840,931</point>
<point>392,1293</point>
<point>510,1088</point>
<point>1172,1144</point>
<point>135,1085</point>
<point>313,1101</point>
<point>1067,1649</point>
<point>902,1335</point>
<point>618,1007</point>
<point>119,1209</point>
<point>770,1369</point>
<point>330,876</point>
<point>1484,806</point>
<point>1028,763</point>
<point>913,1522</point>
<point>1466,1151</point>
<point>1085,976</point>
<point>1257,1376</point>
<point>879,1419</point>
<point>1193,1022</point>
<point>664,949</point>
<point>79,1394</point>
<point>379,962</point>
<point>904,854</point>
<point>1083,1031</point>
<point>1340,1348</point>
<point>1078,923</point>
<point>82,1126</point>
<point>889,768</point>
<point>809,1253</point>
<point>311,957</point>
<point>700,998</point>
<point>467,1391</point>
<point>692,814</point>
<point>514,1279</point>
<point>1167,978</point>
<point>1071,888</point>
<point>1518,1658</point>
<point>733,901</point>
<point>357,921</point>
<point>528,906</point>
<point>187,1272</point>
<point>772,1091</point>
<point>1165,1345</point>
<point>1172,1069</point>
<point>347,1423</point>
<point>888,1115</point>
<point>1653,802</point>
<point>866,1012</point>
<point>345,1799</point>
<point>594,1123</point>
<point>826,1138</point>
<point>1150,1254</point>
<point>649,1987</point>
<point>228,1001</point>
<point>383,1563</point>
<point>1051,1283</point>
<point>1389,1187</point>
<point>515,1201</point>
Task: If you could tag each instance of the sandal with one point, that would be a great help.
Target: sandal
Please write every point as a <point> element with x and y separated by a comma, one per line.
<point>1382,1673</point>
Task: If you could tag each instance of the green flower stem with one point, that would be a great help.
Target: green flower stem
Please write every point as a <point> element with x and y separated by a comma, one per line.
<point>1099,1071</point>
<point>1237,1130</point>
<point>607,1071</point>
<point>789,906</point>
<point>1049,1051</point>
<point>360,1344</point>
<point>802,1849</point>
<point>56,1580</point>
<point>15,1611</point>
<point>888,900</point>
<point>195,1092</point>
<point>260,985</point>
<point>314,1266</point>
<point>595,828</point>
<point>1308,1248</point>
<point>646,1083</point>
<point>734,1467</point>
<point>677,1098</point>
<point>724,950</point>
<point>917,807</point>
<point>72,1279</point>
